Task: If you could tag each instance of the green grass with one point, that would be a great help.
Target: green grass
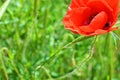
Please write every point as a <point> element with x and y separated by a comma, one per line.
<point>32,37</point>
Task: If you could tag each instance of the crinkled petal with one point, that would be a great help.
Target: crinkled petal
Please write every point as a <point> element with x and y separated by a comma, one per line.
<point>78,15</point>
<point>75,17</point>
<point>99,5</point>
<point>77,4</point>
<point>113,4</point>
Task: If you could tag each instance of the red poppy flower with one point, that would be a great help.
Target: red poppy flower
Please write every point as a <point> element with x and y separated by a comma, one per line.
<point>91,17</point>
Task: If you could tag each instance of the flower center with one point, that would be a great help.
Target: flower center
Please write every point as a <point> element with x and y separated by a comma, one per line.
<point>107,25</point>
<point>87,22</point>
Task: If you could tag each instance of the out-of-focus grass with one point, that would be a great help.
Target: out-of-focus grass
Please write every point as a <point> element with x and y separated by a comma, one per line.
<point>31,32</point>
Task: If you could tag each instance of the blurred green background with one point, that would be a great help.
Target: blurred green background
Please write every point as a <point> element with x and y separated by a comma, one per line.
<point>31,31</point>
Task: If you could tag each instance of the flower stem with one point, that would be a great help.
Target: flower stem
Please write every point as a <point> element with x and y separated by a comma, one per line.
<point>63,48</point>
<point>76,68</point>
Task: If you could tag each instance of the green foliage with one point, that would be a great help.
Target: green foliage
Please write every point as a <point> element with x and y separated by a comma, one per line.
<point>31,38</point>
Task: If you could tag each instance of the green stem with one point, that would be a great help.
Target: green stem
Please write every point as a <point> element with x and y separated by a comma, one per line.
<point>82,62</point>
<point>3,68</point>
<point>111,59</point>
<point>90,53</point>
<point>36,3</point>
<point>12,62</point>
<point>58,51</point>
<point>35,8</point>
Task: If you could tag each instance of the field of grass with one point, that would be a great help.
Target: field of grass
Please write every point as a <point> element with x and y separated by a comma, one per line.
<point>34,45</point>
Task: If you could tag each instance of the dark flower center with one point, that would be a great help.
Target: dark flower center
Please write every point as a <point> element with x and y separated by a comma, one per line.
<point>107,25</point>
<point>87,22</point>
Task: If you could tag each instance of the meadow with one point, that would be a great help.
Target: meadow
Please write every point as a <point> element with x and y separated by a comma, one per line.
<point>34,45</point>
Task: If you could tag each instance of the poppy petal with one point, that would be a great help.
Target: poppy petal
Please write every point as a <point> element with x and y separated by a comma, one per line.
<point>99,5</point>
<point>78,15</point>
<point>113,4</point>
<point>99,21</point>
<point>75,17</point>
<point>76,4</point>
<point>98,32</point>
<point>86,29</point>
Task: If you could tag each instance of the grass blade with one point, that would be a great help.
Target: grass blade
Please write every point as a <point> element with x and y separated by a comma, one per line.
<point>4,7</point>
